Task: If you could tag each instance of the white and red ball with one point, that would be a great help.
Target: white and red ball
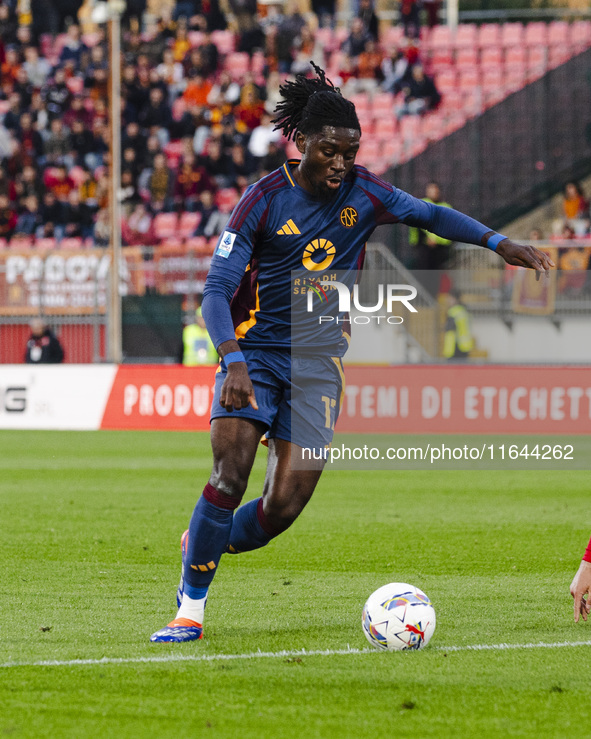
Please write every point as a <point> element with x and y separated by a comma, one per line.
<point>398,616</point>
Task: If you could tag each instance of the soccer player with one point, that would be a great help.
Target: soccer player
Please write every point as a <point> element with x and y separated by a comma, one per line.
<point>581,586</point>
<point>308,215</point>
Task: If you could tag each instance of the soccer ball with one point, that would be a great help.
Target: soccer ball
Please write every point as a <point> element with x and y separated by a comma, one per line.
<point>398,616</point>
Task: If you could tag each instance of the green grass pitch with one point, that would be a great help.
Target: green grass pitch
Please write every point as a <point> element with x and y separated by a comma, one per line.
<point>90,526</point>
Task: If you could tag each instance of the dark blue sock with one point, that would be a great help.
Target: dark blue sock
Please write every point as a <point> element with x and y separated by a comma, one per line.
<point>209,530</point>
<point>250,528</point>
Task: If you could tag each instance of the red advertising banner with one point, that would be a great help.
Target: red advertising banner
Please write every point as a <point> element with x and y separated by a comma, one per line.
<point>465,399</point>
<point>399,399</point>
<point>160,397</point>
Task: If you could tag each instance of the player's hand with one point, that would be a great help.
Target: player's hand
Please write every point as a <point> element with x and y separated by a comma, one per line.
<point>524,255</point>
<point>581,586</point>
<point>237,390</point>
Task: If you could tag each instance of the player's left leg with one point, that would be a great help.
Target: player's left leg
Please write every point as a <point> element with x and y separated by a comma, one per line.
<point>285,494</point>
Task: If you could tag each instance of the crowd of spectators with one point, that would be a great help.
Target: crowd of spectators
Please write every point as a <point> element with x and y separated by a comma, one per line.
<point>194,131</point>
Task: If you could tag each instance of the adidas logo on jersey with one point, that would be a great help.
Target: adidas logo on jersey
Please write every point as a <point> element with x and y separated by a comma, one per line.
<point>288,229</point>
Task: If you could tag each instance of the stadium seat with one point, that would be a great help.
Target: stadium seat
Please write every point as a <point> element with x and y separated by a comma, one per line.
<point>75,85</point>
<point>258,63</point>
<point>197,244</point>
<point>535,34</point>
<point>172,244</point>
<point>361,102</point>
<point>537,62</point>
<point>3,244</point>
<point>580,36</point>
<point>441,56</point>
<point>440,38</point>
<point>4,106</point>
<point>165,225</point>
<point>515,56</point>
<point>179,107</point>
<point>432,126</point>
<point>173,151</point>
<point>21,242</point>
<point>71,243</point>
<point>369,151</point>
<point>467,57</point>
<point>76,175</point>
<point>385,128</point>
<point>237,64</point>
<point>492,80</point>
<point>491,57</point>
<point>446,81</point>
<point>466,36</point>
<point>512,35</point>
<point>391,38</point>
<point>340,36</point>
<point>558,33</point>
<point>188,222</point>
<point>452,100</point>
<point>382,104</point>
<point>469,79</point>
<point>410,127</point>
<point>226,199</point>
<point>515,77</point>
<point>489,34</point>
<point>558,55</point>
<point>45,244</point>
<point>224,40</point>
<point>325,38</point>
<point>366,121</point>
<point>195,38</point>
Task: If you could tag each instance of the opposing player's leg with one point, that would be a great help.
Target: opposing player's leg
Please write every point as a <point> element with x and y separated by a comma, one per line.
<point>234,444</point>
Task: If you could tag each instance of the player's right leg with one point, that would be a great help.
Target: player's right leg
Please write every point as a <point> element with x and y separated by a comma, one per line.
<point>234,444</point>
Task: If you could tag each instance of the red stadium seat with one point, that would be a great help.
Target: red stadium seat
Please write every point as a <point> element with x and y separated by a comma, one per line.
<point>492,80</point>
<point>366,121</point>
<point>173,151</point>
<point>3,244</point>
<point>197,244</point>
<point>75,85</point>
<point>71,243</point>
<point>77,175</point>
<point>172,244</point>
<point>469,79</point>
<point>512,35</point>
<point>45,244</point>
<point>558,33</point>
<point>441,56</point>
<point>537,62</point>
<point>452,100</point>
<point>580,35</point>
<point>224,40</point>
<point>369,151</point>
<point>489,34</point>
<point>440,38</point>
<point>258,63</point>
<point>226,199</point>
<point>535,34</point>
<point>446,81</point>
<point>195,38</point>
<point>492,56</point>
<point>558,55</point>
<point>325,38</point>
<point>466,36</point>
<point>432,127</point>
<point>237,64</point>
<point>515,57</point>
<point>391,38</point>
<point>515,78</point>
<point>385,128</point>
<point>410,127</point>
<point>165,225</point>
<point>4,106</point>
<point>188,222</point>
<point>382,104</point>
<point>21,242</point>
<point>361,102</point>
<point>467,57</point>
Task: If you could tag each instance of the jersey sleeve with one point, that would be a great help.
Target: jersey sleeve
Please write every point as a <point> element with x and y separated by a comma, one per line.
<point>396,206</point>
<point>229,262</point>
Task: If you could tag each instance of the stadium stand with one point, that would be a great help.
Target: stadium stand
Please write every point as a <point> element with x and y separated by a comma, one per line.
<point>184,87</point>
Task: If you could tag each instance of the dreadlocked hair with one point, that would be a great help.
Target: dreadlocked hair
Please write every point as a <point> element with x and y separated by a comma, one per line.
<point>310,104</point>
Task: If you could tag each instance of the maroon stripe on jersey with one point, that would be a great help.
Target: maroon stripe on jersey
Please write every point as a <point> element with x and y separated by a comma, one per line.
<point>365,174</point>
<point>382,214</point>
<point>271,191</point>
<point>241,213</point>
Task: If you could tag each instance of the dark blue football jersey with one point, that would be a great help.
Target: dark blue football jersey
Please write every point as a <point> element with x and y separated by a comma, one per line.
<point>278,228</point>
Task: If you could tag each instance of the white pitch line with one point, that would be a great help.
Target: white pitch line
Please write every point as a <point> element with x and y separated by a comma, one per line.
<point>283,653</point>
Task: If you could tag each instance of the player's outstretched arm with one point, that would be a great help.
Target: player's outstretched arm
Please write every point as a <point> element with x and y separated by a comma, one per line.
<point>522,255</point>
<point>581,586</point>
<point>237,391</point>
